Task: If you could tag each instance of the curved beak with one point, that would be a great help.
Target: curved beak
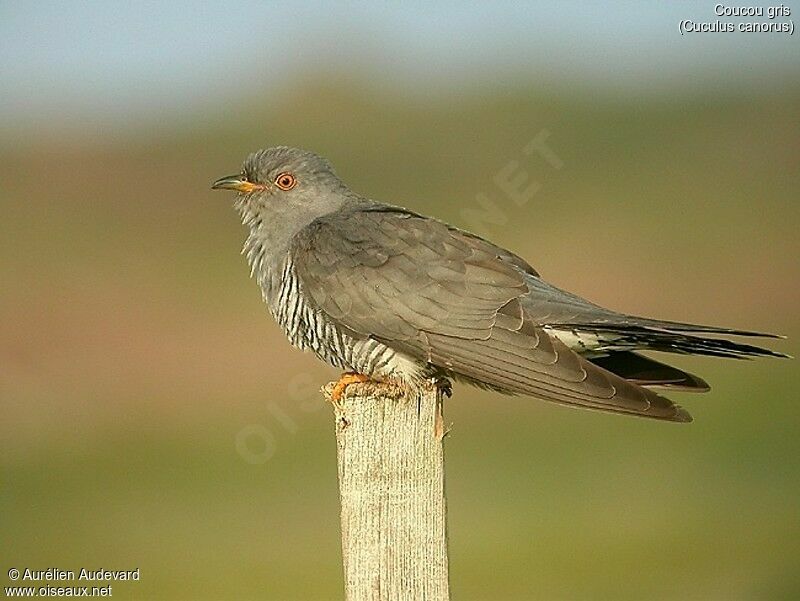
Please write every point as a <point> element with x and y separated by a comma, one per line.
<point>235,182</point>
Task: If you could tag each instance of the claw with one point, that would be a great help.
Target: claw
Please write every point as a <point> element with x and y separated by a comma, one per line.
<point>341,386</point>
<point>444,385</point>
<point>339,390</point>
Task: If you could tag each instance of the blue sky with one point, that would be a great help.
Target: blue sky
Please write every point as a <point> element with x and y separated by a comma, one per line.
<point>111,58</point>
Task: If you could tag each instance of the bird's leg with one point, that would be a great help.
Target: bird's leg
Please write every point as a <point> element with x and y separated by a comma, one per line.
<point>347,378</point>
<point>443,383</point>
<point>340,387</point>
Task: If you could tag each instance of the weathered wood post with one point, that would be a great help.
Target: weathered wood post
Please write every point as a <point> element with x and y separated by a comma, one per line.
<point>391,485</point>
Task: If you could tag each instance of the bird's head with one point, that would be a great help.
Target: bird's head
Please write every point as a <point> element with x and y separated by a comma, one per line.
<point>281,190</point>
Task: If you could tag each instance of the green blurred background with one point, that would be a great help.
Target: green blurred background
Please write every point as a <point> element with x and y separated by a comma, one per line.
<point>153,415</point>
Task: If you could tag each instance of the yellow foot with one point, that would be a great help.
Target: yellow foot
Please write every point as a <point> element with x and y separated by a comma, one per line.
<point>340,387</point>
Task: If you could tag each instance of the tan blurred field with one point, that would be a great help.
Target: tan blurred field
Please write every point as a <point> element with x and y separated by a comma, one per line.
<point>134,350</point>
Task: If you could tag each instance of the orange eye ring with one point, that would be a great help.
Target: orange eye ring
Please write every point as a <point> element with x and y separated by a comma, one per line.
<point>285,181</point>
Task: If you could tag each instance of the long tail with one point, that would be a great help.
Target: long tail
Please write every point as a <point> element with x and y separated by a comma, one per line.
<point>674,337</point>
<point>677,326</point>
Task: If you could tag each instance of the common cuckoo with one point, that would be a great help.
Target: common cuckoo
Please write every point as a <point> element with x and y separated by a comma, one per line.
<point>384,293</point>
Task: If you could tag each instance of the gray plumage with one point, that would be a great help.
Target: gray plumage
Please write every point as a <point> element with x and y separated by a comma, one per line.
<point>380,290</point>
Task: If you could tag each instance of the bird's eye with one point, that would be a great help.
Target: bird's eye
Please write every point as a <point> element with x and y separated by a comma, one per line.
<point>285,181</point>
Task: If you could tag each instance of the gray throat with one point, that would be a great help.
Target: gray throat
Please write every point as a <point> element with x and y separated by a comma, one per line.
<point>270,234</point>
<point>268,251</point>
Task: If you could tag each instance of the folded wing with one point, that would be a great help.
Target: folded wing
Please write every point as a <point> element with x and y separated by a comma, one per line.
<point>455,301</point>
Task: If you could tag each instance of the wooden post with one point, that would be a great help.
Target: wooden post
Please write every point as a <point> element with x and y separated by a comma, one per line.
<point>391,485</point>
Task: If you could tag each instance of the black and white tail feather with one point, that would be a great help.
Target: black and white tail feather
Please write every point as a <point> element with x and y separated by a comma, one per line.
<point>613,346</point>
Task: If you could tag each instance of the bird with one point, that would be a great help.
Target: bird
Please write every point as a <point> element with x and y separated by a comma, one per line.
<point>387,294</point>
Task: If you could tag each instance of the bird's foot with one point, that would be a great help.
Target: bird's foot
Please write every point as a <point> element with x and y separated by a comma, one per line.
<point>339,389</point>
<point>443,384</point>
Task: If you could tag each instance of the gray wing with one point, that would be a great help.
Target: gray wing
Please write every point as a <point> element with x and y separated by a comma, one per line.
<point>455,301</point>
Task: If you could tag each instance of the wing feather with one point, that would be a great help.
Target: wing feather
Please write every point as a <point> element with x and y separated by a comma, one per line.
<point>455,301</point>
